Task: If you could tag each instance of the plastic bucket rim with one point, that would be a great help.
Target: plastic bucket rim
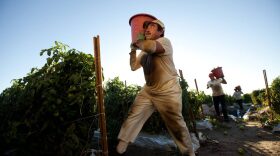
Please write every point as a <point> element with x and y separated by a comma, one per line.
<point>140,14</point>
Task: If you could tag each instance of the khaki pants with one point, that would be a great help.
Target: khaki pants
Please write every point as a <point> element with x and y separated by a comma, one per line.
<point>169,104</point>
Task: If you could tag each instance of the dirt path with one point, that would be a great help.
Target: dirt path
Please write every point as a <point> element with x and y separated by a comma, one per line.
<point>226,139</point>
<point>231,139</point>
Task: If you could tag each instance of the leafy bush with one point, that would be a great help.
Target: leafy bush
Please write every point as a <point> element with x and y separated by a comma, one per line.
<point>229,99</point>
<point>275,95</point>
<point>190,105</point>
<point>204,99</point>
<point>258,96</point>
<point>50,111</point>
<point>118,99</point>
<point>247,98</point>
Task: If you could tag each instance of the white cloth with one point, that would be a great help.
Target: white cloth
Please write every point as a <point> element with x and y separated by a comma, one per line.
<point>163,69</point>
<point>237,95</point>
<point>216,87</point>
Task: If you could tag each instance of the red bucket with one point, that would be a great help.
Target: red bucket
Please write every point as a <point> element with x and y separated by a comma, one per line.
<point>218,72</point>
<point>136,22</point>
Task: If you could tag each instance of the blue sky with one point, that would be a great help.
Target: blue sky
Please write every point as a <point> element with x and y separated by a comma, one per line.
<point>242,36</point>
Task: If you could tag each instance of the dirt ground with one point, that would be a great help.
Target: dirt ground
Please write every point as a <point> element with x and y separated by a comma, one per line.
<point>235,139</point>
<point>226,139</point>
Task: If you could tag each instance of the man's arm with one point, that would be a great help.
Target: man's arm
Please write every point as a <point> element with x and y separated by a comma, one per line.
<point>134,61</point>
<point>209,85</point>
<point>224,81</point>
<point>234,95</point>
<point>149,46</point>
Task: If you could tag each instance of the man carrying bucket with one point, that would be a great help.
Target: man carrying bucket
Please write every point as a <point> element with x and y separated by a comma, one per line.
<point>162,91</point>
<point>218,95</point>
<point>237,95</point>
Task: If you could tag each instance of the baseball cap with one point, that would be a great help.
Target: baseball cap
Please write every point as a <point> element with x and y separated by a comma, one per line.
<point>154,21</point>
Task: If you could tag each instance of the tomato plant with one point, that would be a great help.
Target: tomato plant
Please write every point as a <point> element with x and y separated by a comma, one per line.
<point>50,111</point>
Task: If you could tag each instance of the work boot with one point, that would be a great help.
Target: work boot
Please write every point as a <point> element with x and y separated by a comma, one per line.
<point>122,146</point>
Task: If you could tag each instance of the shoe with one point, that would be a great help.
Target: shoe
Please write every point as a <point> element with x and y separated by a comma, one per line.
<point>122,146</point>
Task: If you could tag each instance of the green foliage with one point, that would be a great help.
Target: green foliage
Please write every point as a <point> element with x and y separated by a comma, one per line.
<point>275,95</point>
<point>229,99</point>
<point>194,102</point>
<point>247,98</point>
<point>50,111</point>
<point>118,99</point>
<point>185,103</point>
<point>258,96</point>
<point>202,98</point>
<point>190,104</point>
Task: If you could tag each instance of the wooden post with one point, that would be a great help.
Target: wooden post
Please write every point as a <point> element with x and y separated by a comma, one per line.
<point>196,86</point>
<point>198,94</point>
<point>268,93</point>
<point>100,97</point>
<point>181,74</point>
<point>267,89</point>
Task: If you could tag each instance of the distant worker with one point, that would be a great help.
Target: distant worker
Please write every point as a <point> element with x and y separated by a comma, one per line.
<point>237,95</point>
<point>162,91</point>
<point>218,95</point>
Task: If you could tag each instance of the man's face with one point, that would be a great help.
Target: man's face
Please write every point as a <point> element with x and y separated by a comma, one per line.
<point>211,77</point>
<point>151,32</point>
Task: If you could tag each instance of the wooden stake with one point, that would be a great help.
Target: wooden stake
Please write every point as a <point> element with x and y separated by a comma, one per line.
<point>268,93</point>
<point>196,86</point>
<point>100,97</point>
<point>267,89</point>
<point>181,74</point>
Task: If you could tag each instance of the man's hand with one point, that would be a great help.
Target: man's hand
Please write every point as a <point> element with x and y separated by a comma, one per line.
<point>133,47</point>
<point>140,37</point>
